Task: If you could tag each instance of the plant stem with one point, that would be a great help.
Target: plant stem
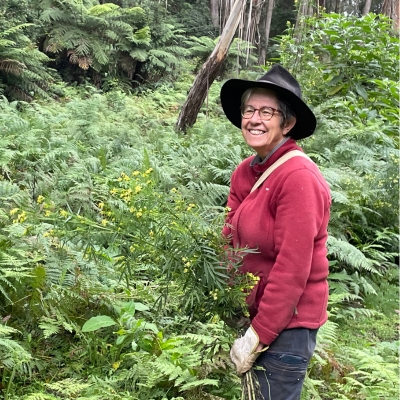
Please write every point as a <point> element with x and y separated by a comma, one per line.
<point>9,383</point>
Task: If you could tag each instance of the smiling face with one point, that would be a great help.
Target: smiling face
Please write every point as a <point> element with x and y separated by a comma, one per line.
<point>261,135</point>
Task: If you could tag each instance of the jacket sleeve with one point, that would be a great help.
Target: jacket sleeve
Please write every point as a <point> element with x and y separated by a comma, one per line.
<point>300,211</point>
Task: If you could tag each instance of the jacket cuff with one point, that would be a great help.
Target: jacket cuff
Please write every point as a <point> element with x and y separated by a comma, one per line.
<point>265,336</point>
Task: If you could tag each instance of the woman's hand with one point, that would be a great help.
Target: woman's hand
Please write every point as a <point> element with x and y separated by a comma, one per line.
<point>245,350</point>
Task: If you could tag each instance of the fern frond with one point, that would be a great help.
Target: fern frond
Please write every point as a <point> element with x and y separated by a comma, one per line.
<point>350,255</point>
<point>68,387</point>
<point>106,8</point>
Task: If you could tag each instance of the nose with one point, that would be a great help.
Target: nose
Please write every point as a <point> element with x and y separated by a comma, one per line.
<point>256,117</point>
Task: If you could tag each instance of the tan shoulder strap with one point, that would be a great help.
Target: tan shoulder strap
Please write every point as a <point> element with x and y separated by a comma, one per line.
<point>276,164</point>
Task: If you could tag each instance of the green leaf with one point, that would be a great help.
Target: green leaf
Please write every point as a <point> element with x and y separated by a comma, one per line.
<point>95,323</point>
<point>362,92</point>
<point>335,79</point>
<point>335,89</point>
<point>150,327</point>
<point>141,307</point>
<point>120,339</point>
<point>128,308</point>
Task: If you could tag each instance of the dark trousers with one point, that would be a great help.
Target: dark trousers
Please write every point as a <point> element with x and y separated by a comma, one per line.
<point>282,368</point>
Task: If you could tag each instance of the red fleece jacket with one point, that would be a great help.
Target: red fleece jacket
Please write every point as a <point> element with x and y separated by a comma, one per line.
<point>286,220</point>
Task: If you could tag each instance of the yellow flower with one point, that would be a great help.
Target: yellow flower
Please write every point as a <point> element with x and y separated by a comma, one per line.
<point>135,173</point>
<point>104,222</point>
<point>40,199</point>
<point>21,217</point>
<point>138,214</point>
<point>185,270</point>
<point>63,213</point>
<point>138,189</point>
<point>101,205</point>
<point>14,211</point>
<point>151,233</point>
<point>47,213</point>
<point>113,191</point>
<point>125,177</point>
<point>116,365</point>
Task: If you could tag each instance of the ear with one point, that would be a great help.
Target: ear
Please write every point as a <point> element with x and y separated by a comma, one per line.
<point>289,125</point>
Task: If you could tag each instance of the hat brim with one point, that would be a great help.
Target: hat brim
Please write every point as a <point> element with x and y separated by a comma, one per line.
<point>231,96</point>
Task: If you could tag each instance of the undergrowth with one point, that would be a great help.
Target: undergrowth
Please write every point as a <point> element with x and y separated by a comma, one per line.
<point>114,281</point>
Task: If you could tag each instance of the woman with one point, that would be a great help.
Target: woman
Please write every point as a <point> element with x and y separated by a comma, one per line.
<point>286,220</point>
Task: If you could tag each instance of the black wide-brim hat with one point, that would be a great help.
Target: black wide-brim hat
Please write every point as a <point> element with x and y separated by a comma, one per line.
<point>286,87</point>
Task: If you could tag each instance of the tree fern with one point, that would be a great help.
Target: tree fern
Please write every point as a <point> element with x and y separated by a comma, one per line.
<point>23,67</point>
<point>100,38</point>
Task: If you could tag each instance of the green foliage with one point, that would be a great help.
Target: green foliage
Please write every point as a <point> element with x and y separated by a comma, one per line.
<point>239,53</point>
<point>114,279</point>
<point>22,66</point>
<point>102,37</point>
<point>342,58</point>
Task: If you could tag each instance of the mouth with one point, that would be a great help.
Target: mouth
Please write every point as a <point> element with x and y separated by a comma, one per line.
<point>256,132</point>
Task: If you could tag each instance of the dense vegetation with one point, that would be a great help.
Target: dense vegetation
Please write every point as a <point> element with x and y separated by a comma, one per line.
<point>113,279</point>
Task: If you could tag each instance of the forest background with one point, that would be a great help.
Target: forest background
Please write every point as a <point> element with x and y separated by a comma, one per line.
<point>113,281</point>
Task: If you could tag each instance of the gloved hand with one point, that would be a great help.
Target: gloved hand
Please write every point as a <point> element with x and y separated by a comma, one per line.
<point>243,352</point>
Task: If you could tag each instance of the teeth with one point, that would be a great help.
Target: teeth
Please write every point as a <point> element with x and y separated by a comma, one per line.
<point>256,132</point>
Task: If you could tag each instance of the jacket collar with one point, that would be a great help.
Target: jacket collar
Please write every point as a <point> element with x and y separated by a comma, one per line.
<point>282,148</point>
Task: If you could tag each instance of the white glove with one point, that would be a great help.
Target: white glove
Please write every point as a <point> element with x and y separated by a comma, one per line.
<point>243,352</point>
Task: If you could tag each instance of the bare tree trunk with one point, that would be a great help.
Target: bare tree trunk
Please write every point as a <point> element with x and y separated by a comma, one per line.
<point>367,7</point>
<point>262,47</point>
<point>391,8</point>
<point>301,13</point>
<point>209,71</point>
<point>268,21</point>
<point>337,6</point>
<point>214,12</point>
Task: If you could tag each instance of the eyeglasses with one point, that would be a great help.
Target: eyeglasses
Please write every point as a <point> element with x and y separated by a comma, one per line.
<point>265,113</point>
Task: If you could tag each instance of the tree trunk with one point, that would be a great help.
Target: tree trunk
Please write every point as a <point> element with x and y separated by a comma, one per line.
<point>262,23</point>
<point>301,13</point>
<point>214,12</point>
<point>367,7</point>
<point>391,8</point>
<point>268,21</point>
<point>209,71</point>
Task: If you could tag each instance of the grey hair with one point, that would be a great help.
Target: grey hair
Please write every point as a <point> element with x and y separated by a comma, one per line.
<point>287,112</point>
